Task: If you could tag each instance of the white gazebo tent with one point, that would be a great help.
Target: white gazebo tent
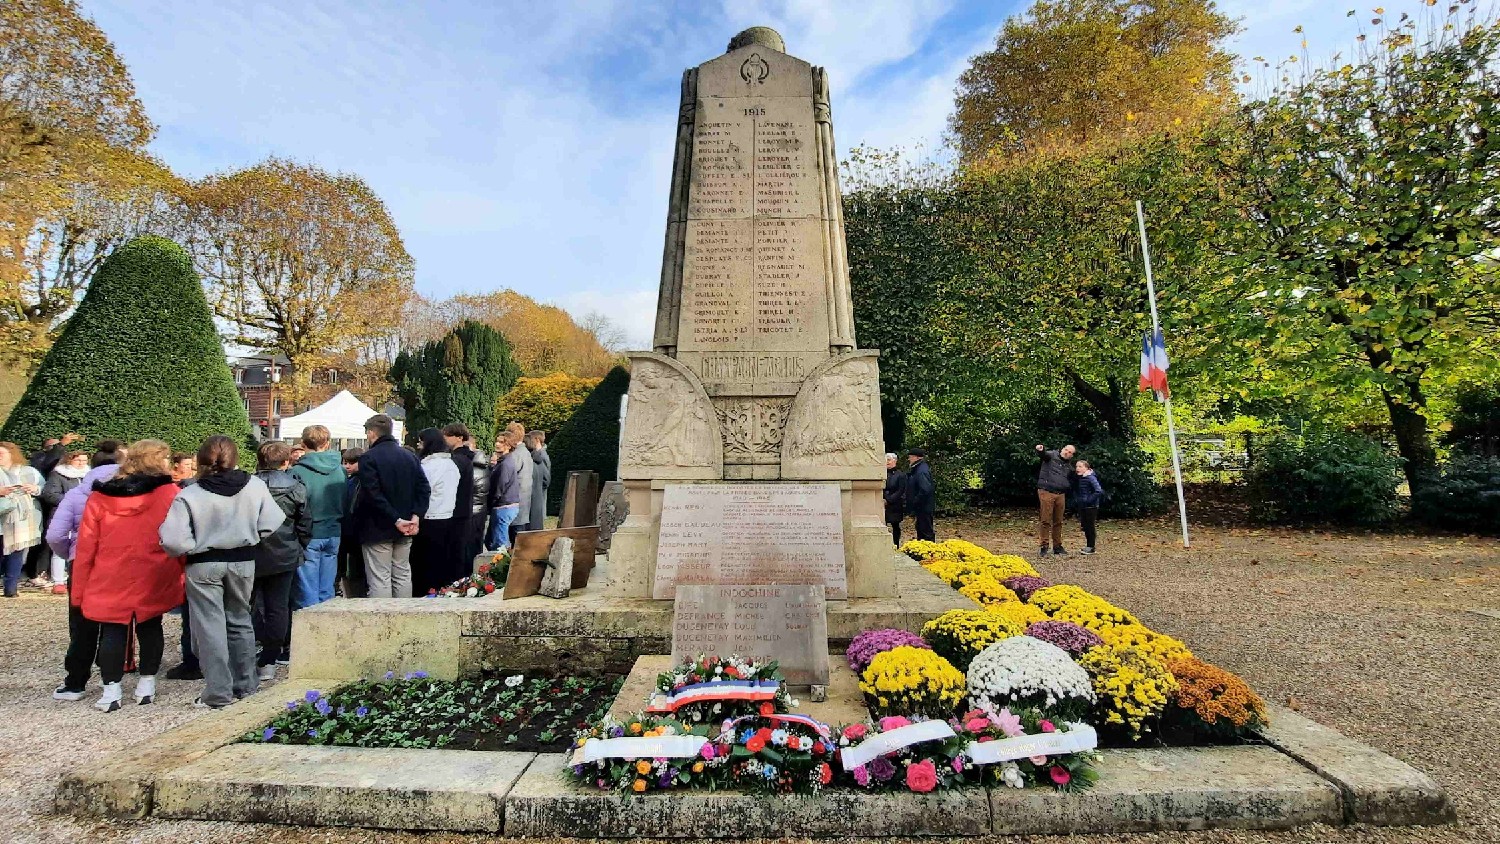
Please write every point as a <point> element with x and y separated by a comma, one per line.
<point>343,415</point>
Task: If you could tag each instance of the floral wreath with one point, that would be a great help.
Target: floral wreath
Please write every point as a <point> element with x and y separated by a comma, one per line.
<point>711,688</point>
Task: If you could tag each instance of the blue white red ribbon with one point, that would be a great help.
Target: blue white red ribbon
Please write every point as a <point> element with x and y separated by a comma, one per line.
<point>752,691</point>
<point>822,729</point>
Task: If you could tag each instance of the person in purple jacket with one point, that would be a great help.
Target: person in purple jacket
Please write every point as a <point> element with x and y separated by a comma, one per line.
<point>62,532</point>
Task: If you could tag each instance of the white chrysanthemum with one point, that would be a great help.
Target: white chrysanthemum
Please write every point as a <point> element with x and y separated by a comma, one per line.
<point>1021,670</point>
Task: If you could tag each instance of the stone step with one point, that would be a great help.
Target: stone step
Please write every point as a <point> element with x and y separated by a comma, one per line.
<point>390,788</point>
<point>1244,787</point>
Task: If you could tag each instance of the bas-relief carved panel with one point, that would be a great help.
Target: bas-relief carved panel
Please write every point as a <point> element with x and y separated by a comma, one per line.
<point>834,425</point>
<point>671,429</point>
<point>752,428</point>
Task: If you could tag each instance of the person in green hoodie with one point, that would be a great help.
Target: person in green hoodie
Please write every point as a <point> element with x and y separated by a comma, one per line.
<point>322,473</point>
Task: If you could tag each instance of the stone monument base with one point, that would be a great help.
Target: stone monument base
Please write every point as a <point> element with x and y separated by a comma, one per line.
<point>1303,774</point>
<point>868,552</point>
<point>593,629</point>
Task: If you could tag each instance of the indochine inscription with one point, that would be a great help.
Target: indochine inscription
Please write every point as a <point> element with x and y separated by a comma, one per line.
<point>787,624</point>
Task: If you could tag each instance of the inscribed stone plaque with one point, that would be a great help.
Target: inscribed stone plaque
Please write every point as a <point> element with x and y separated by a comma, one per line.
<point>786,623</point>
<point>751,533</point>
<point>754,317</point>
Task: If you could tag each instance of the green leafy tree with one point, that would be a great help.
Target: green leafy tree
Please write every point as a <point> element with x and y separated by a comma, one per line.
<point>1366,257</point>
<point>456,379</point>
<point>140,358</point>
<point>590,439</point>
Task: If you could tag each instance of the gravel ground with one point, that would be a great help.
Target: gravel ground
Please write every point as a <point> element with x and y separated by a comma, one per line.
<point>1371,634</point>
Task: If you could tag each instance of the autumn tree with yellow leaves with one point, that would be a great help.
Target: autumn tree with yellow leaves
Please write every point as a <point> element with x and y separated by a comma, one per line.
<point>75,180</point>
<point>1070,73</point>
<point>299,260</point>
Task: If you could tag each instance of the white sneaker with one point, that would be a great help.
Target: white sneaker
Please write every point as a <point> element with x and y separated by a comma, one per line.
<point>64,693</point>
<point>267,672</point>
<point>109,701</point>
<point>145,689</point>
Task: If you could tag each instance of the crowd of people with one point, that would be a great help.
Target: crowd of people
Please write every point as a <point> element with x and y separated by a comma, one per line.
<point>133,532</point>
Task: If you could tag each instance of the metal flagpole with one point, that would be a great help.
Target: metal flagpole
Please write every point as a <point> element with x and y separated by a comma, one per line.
<point>620,444</point>
<point>1140,218</point>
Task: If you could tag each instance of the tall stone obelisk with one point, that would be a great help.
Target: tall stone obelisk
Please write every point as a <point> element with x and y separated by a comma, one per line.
<point>755,375</point>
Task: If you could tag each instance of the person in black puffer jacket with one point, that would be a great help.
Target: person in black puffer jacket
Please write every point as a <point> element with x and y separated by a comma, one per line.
<point>279,555</point>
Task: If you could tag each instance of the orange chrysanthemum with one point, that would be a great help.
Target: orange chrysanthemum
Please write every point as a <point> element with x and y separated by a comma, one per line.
<point>1214,694</point>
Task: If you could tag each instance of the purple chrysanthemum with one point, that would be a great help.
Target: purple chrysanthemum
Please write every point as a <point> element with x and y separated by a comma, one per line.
<point>1073,638</point>
<point>882,769</point>
<point>864,648</point>
<point>1024,585</point>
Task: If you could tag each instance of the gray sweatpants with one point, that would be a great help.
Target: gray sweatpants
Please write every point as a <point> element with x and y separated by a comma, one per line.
<point>218,596</point>
<point>388,568</point>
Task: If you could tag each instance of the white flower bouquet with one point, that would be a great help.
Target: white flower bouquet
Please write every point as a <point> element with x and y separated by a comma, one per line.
<point>1025,673</point>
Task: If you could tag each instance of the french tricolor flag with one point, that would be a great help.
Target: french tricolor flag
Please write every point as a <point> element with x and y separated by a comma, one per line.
<point>1154,364</point>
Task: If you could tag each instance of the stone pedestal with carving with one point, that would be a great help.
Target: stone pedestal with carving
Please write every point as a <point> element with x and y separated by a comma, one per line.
<point>755,374</point>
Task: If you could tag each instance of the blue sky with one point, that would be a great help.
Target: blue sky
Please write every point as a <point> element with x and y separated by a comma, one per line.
<point>528,145</point>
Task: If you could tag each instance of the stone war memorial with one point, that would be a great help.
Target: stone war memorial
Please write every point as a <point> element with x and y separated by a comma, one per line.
<point>751,656</point>
<point>756,389</point>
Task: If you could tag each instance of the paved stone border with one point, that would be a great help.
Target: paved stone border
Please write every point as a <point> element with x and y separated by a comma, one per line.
<point>546,804</point>
<point>122,785</point>
<point>197,771</point>
<point>390,788</point>
<point>1245,787</point>
<point>1377,789</point>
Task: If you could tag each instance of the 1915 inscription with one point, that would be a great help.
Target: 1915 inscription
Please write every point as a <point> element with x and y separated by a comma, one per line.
<point>754,255</point>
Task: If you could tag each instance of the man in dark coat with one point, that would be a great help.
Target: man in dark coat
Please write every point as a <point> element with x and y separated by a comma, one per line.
<point>895,497</point>
<point>541,478</point>
<point>393,494</point>
<point>921,494</point>
<point>1053,481</point>
<point>473,487</point>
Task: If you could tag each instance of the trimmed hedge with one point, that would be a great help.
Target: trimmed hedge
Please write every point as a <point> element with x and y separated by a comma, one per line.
<point>1465,495</point>
<point>590,439</point>
<point>1327,476</point>
<point>139,358</point>
<point>457,378</point>
<point>544,402</point>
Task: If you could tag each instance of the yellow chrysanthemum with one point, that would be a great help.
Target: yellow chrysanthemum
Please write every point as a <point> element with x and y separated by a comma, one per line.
<point>1162,647</point>
<point>912,681</point>
<point>1022,614</point>
<point>960,635</point>
<point>1132,687</point>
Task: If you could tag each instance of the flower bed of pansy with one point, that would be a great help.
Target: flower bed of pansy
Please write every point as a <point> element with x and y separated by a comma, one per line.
<point>1142,685</point>
<point>514,712</point>
<point>487,577</point>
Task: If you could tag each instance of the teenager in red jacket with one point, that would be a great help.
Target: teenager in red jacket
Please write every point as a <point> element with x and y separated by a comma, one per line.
<point>120,572</point>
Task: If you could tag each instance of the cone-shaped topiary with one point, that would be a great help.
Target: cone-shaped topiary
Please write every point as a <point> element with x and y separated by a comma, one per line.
<point>590,439</point>
<point>456,379</point>
<point>139,358</point>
